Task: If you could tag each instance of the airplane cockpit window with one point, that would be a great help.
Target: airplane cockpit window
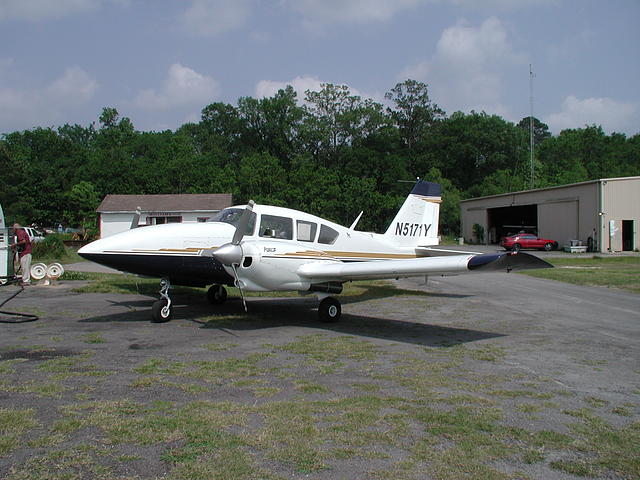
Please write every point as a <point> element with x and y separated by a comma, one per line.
<point>327,235</point>
<point>306,231</point>
<point>232,217</point>
<point>272,226</point>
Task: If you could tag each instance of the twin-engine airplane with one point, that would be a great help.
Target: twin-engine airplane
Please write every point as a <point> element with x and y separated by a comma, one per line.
<point>264,248</point>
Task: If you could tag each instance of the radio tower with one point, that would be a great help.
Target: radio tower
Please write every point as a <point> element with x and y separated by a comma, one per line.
<point>531,173</point>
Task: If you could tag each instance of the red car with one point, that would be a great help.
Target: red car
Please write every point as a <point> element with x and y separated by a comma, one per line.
<point>527,240</point>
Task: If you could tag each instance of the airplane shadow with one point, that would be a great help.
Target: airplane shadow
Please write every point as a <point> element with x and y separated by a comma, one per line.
<point>267,313</point>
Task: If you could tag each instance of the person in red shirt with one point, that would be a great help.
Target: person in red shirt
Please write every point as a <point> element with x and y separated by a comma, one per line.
<point>23,247</point>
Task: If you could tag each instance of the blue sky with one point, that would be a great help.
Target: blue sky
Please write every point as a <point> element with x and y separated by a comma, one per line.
<point>159,62</point>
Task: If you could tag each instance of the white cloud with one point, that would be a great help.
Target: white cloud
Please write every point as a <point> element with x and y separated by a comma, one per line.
<point>27,108</point>
<point>212,17</point>
<point>75,87</point>
<point>466,71</point>
<point>38,10</point>
<point>612,115</point>
<point>182,87</point>
<point>268,88</point>
<point>320,12</point>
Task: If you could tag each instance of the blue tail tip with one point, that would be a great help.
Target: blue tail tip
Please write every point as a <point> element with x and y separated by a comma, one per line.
<point>427,189</point>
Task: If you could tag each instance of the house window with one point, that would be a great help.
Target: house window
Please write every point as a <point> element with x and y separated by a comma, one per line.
<point>202,219</point>
<point>161,220</point>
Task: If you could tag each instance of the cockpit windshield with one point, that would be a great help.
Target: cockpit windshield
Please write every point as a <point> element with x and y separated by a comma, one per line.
<point>232,217</point>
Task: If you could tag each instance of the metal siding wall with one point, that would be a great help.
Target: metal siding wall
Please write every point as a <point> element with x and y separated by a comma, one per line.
<point>559,221</point>
<point>621,202</point>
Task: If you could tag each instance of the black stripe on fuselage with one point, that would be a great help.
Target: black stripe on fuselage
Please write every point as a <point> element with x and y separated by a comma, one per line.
<point>188,270</point>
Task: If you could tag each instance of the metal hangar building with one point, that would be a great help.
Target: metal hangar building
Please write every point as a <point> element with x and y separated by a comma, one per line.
<point>603,214</point>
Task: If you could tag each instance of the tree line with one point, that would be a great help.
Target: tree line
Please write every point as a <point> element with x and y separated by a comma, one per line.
<point>334,154</point>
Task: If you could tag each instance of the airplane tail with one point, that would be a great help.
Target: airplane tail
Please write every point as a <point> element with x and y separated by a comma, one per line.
<point>416,223</point>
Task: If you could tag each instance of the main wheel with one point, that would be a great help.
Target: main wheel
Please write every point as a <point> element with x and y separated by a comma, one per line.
<point>217,294</point>
<point>160,312</point>
<point>329,310</point>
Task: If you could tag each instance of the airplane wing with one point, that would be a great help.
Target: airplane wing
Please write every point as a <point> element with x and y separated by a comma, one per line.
<point>448,265</point>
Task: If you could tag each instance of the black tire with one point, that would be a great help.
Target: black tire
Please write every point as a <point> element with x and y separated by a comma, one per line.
<point>159,312</point>
<point>548,246</point>
<point>329,310</point>
<point>217,294</point>
<point>516,247</point>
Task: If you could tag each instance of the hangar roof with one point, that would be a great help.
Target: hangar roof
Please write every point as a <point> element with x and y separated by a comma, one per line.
<point>196,202</point>
<point>550,188</point>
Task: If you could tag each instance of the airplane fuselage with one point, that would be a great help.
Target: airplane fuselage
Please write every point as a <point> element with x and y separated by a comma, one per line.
<point>281,240</point>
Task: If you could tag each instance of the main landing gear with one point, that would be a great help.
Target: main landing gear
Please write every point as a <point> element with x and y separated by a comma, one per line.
<point>329,310</point>
<point>162,309</point>
<point>217,294</point>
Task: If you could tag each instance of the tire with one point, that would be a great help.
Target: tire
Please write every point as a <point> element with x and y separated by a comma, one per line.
<point>548,246</point>
<point>516,247</point>
<point>217,294</point>
<point>159,311</point>
<point>329,310</point>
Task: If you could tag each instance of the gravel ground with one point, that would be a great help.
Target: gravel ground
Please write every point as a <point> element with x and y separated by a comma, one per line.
<point>478,376</point>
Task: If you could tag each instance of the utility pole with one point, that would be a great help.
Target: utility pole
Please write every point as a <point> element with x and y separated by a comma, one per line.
<point>532,168</point>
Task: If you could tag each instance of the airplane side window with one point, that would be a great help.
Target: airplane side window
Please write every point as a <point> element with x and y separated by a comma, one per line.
<point>327,235</point>
<point>273,226</point>
<point>306,231</point>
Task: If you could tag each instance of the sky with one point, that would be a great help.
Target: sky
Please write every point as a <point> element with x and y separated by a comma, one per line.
<point>159,62</point>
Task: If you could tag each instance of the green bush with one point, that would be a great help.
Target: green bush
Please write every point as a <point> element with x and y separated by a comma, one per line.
<point>51,247</point>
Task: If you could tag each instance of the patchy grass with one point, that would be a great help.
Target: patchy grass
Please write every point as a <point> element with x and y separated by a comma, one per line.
<point>619,272</point>
<point>14,423</point>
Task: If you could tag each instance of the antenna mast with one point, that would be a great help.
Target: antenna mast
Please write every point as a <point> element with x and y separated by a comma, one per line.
<point>531,173</point>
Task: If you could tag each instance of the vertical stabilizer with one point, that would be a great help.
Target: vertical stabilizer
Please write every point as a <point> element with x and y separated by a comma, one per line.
<point>416,223</point>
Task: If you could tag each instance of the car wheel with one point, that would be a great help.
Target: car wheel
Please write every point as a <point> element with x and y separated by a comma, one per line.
<point>548,246</point>
<point>516,247</point>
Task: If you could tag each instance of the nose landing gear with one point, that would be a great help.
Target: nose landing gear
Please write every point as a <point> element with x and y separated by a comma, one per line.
<point>162,309</point>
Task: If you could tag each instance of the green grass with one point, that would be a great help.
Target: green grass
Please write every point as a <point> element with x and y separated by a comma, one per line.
<point>14,423</point>
<point>618,272</point>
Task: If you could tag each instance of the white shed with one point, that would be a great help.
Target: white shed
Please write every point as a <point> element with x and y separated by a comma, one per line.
<point>116,212</point>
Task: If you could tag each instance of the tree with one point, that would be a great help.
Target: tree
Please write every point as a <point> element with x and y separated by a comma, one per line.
<point>82,201</point>
<point>414,113</point>
<point>540,130</point>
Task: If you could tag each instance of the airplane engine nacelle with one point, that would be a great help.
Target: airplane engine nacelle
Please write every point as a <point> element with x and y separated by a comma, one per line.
<point>272,265</point>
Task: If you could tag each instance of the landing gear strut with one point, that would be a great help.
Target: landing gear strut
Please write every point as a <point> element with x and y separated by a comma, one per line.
<point>329,310</point>
<point>162,309</point>
<point>217,294</point>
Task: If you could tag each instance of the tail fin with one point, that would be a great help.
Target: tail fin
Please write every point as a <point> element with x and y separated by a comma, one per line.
<point>416,223</point>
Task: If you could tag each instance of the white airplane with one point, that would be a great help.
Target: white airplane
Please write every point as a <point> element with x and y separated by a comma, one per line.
<point>263,248</point>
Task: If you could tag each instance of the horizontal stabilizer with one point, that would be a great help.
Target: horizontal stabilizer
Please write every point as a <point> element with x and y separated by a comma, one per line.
<point>506,262</point>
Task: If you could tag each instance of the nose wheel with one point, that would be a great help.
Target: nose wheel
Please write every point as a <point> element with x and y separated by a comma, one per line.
<point>162,309</point>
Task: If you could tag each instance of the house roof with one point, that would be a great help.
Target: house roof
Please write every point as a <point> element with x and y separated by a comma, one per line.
<point>196,202</point>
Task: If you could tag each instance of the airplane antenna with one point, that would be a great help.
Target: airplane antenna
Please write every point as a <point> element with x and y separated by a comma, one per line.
<point>531,142</point>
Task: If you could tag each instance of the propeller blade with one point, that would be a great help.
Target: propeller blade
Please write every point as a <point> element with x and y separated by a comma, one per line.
<point>241,228</point>
<point>136,219</point>
<point>239,286</point>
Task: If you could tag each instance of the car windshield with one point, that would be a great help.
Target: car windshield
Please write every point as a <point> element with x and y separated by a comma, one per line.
<point>232,217</point>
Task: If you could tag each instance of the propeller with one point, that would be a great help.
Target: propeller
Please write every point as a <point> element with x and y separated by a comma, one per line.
<point>230,254</point>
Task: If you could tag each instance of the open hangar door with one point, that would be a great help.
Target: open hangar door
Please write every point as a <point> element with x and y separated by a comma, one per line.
<point>504,221</point>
